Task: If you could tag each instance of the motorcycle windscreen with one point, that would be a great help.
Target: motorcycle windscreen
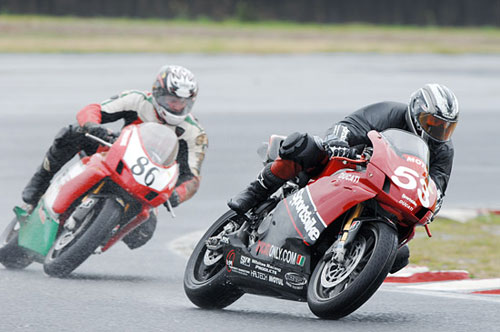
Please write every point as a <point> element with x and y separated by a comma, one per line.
<point>404,143</point>
<point>38,231</point>
<point>160,143</point>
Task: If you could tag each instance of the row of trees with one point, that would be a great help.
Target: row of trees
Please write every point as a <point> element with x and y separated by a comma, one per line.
<point>414,12</point>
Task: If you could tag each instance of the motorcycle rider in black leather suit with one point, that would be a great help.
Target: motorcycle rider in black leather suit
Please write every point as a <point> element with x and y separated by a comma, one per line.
<point>432,113</point>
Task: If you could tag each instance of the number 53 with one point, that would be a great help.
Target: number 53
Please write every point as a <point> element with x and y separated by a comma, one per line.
<point>406,178</point>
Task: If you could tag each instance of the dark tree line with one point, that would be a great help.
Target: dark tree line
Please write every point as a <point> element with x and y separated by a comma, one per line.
<point>414,12</point>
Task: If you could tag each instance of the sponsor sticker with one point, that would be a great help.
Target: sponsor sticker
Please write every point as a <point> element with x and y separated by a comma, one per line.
<point>355,224</point>
<point>240,271</point>
<point>280,254</point>
<point>266,267</point>
<point>417,161</point>
<point>406,205</point>
<point>275,280</point>
<point>295,280</point>
<point>409,200</point>
<point>245,261</point>
<point>349,177</point>
<point>230,260</point>
<point>306,214</point>
<point>258,275</point>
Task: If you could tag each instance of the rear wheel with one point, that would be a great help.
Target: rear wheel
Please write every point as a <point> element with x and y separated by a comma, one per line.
<point>205,281</point>
<point>12,256</point>
<point>336,288</point>
<point>73,246</point>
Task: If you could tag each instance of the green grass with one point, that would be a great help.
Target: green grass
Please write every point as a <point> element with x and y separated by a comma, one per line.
<point>31,33</point>
<point>473,246</point>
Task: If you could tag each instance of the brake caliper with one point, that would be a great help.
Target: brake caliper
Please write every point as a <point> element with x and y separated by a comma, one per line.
<point>215,243</point>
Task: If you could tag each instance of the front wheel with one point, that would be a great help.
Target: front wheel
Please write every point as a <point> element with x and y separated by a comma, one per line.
<point>73,246</point>
<point>12,256</point>
<point>205,281</point>
<point>336,289</point>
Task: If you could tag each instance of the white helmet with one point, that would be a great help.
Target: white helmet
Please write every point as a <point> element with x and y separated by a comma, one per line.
<point>433,112</point>
<point>174,93</point>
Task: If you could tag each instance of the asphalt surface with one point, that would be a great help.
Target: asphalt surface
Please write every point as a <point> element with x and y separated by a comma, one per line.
<point>243,99</point>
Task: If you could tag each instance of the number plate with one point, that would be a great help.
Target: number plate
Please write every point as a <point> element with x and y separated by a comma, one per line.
<point>144,171</point>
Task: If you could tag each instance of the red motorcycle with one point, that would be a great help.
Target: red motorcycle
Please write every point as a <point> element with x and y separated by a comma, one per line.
<point>330,243</point>
<point>96,202</point>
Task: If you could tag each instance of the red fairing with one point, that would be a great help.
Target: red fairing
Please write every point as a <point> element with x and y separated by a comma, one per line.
<point>413,193</point>
<point>82,183</point>
<point>340,187</point>
<point>126,179</point>
<point>335,194</point>
<point>90,113</point>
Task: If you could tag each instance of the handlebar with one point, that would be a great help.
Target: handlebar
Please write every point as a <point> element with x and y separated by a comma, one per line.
<point>98,140</point>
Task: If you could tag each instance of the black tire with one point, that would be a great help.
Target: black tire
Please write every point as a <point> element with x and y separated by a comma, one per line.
<point>63,257</point>
<point>370,256</point>
<point>12,256</point>
<point>207,286</point>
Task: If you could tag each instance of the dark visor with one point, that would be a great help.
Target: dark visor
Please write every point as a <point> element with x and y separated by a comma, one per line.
<point>439,129</point>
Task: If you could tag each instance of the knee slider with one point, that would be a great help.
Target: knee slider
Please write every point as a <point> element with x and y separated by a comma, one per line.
<point>301,148</point>
<point>293,145</point>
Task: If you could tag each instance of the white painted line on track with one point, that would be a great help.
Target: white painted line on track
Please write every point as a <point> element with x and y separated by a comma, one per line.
<point>469,285</point>
<point>184,245</point>
<point>448,294</point>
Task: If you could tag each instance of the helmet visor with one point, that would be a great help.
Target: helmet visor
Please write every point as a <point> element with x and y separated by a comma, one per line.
<point>437,128</point>
<point>175,105</point>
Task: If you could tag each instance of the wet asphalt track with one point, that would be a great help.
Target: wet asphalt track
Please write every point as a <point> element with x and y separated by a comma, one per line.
<point>242,101</point>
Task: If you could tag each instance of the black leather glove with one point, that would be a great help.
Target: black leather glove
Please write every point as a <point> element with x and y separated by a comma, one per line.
<point>99,131</point>
<point>439,204</point>
<point>342,151</point>
<point>338,148</point>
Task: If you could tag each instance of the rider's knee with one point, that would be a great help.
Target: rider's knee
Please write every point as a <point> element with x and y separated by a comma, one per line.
<point>303,149</point>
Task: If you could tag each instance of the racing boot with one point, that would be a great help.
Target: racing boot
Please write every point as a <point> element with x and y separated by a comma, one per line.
<point>61,151</point>
<point>257,191</point>
<point>67,143</point>
<point>38,184</point>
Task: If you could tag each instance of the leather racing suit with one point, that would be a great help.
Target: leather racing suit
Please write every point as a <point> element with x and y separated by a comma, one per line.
<point>302,152</point>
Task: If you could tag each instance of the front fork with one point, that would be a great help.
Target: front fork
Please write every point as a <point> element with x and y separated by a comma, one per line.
<point>348,233</point>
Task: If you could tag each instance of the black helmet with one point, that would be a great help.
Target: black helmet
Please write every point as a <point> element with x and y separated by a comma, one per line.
<point>433,112</point>
<point>174,93</point>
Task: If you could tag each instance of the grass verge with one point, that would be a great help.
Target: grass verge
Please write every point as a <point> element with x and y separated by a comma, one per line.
<point>46,34</point>
<point>473,246</point>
